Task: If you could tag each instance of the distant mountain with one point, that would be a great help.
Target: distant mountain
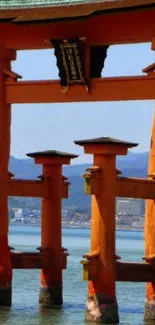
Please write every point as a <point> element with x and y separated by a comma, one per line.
<point>132,165</point>
<point>25,168</point>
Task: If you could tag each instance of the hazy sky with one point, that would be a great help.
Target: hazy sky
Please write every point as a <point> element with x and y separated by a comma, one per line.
<point>56,126</point>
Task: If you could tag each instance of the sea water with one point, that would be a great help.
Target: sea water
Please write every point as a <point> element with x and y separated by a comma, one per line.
<point>25,309</point>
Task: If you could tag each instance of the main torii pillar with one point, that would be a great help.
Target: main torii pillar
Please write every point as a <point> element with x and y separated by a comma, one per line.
<point>101,306</point>
<point>149,312</point>
<point>6,56</point>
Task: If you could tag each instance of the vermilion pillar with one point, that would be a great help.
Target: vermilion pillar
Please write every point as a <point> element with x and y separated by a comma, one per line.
<point>101,302</point>
<point>149,313</point>
<point>51,276</point>
<point>5,120</point>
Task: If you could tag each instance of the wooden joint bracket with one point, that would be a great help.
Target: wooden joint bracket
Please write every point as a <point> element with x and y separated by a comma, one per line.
<point>11,174</point>
<point>149,259</point>
<point>64,249</point>
<point>11,248</point>
<point>64,178</point>
<point>90,269</point>
<point>118,172</point>
<point>90,266</point>
<point>11,76</point>
<point>64,258</point>
<point>92,180</point>
<point>93,169</point>
<point>41,249</point>
<point>152,175</point>
<point>150,69</point>
<point>117,257</point>
<point>41,177</point>
<point>92,255</point>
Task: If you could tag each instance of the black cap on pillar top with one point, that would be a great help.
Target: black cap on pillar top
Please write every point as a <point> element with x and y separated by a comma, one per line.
<point>52,154</point>
<point>105,140</point>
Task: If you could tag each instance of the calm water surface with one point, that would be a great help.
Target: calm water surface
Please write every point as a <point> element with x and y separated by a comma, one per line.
<point>25,309</point>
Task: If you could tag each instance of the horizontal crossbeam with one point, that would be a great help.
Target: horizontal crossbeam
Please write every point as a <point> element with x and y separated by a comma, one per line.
<point>28,260</point>
<point>27,188</point>
<point>128,27</point>
<point>134,272</point>
<point>135,188</point>
<point>104,89</point>
<point>32,260</point>
<point>138,188</point>
<point>124,271</point>
<point>31,188</point>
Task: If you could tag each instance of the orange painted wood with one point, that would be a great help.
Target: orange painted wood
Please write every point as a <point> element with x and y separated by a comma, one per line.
<point>5,126</point>
<point>149,219</point>
<point>134,272</point>
<point>51,227</point>
<point>106,150</point>
<point>65,189</point>
<point>30,188</point>
<point>103,227</point>
<point>135,188</point>
<point>91,255</point>
<point>128,27</point>
<point>13,76</point>
<point>124,271</point>
<point>31,260</point>
<point>149,69</point>
<point>28,260</point>
<point>27,188</point>
<point>104,89</point>
<point>128,187</point>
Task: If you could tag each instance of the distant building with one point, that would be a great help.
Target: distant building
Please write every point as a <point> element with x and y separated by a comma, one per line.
<point>130,207</point>
<point>18,215</point>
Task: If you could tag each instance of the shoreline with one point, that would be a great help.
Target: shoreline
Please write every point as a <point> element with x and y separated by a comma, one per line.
<point>75,227</point>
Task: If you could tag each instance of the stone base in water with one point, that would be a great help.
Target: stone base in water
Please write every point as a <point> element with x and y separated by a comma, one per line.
<point>149,310</point>
<point>101,309</point>
<point>5,296</point>
<point>51,296</point>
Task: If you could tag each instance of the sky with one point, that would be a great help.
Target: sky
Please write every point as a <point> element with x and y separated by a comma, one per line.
<point>55,126</point>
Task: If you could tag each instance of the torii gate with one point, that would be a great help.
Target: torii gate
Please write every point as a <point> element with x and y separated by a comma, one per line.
<point>97,25</point>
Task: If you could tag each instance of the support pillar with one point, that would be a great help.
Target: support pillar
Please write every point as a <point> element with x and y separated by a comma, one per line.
<point>149,231</point>
<point>51,276</point>
<point>101,305</point>
<point>5,120</point>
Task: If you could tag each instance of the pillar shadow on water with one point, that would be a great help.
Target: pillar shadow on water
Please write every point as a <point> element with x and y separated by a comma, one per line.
<point>4,314</point>
<point>47,315</point>
<point>149,322</point>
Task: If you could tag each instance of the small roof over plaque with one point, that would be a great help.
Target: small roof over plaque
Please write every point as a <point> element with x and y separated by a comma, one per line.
<point>107,141</point>
<point>51,154</point>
